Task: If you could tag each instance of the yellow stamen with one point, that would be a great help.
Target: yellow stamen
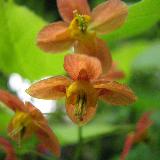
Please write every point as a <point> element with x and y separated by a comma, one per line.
<point>20,122</point>
<point>80,107</point>
<point>79,26</point>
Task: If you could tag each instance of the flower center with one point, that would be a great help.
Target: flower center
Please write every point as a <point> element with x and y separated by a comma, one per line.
<point>79,25</point>
<point>80,106</point>
<point>20,123</point>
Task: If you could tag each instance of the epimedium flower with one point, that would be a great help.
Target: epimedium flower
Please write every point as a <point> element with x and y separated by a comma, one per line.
<point>29,120</point>
<point>81,28</point>
<point>8,148</point>
<point>140,133</point>
<point>83,89</point>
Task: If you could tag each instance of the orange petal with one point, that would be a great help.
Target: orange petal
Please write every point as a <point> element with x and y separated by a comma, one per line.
<point>51,88</point>
<point>142,126</point>
<point>109,16</point>
<point>42,130</point>
<point>48,138</point>
<point>54,38</point>
<point>21,126</point>
<point>11,101</point>
<point>96,48</point>
<point>113,74</point>
<point>67,8</point>
<point>115,93</point>
<point>81,100</point>
<point>127,146</point>
<point>82,67</point>
<point>8,148</point>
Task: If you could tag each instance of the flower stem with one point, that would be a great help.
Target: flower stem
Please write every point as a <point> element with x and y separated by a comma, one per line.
<point>78,155</point>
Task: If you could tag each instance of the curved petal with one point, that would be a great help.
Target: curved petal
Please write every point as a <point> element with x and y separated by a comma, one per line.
<point>8,148</point>
<point>113,74</point>
<point>21,126</point>
<point>48,138</point>
<point>67,8</point>
<point>142,126</point>
<point>90,112</point>
<point>81,100</point>
<point>42,130</point>
<point>127,146</point>
<point>115,93</point>
<point>51,88</point>
<point>54,38</point>
<point>82,67</point>
<point>96,48</point>
<point>11,101</point>
<point>109,16</point>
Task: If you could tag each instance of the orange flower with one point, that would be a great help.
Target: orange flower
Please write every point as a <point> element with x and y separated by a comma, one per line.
<point>28,120</point>
<point>141,130</point>
<point>81,27</point>
<point>83,89</point>
<point>8,148</point>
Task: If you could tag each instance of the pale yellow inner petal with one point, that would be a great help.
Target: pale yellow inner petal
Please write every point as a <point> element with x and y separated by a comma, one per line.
<point>83,96</point>
<point>79,27</point>
<point>21,121</point>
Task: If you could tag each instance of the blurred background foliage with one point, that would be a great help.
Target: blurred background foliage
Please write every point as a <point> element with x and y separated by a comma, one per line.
<point>135,48</point>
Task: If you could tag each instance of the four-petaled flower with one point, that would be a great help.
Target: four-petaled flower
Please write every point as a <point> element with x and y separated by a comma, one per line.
<point>81,28</point>
<point>141,131</point>
<point>28,120</point>
<point>8,148</point>
<point>83,89</point>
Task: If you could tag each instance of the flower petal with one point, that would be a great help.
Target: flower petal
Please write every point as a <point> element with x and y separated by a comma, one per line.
<point>90,112</point>
<point>48,138</point>
<point>96,48</point>
<point>115,93</point>
<point>142,126</point>
<point>21,126</point>
<point>81,100</point>
<point>67,8</point>
<point>127,146</point>
<point>113,74</point>
<point>82,67</point>
<point>11,101</point>
<point>8,148</point>
<point>109,16</point>
<point>51,88</point>
<point>42,130</point>
<point>54,38</point>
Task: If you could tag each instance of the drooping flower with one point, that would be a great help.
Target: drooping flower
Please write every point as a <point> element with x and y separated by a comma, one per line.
<point>81,28</point>
<point>29,120</point>
<point>140,133</point>
<point>83,89</point>
<point>8,148</point>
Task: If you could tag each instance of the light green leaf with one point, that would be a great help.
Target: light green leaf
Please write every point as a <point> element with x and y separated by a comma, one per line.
<point>18,51</point>
<point>142,16</point>
<point>125,55</point>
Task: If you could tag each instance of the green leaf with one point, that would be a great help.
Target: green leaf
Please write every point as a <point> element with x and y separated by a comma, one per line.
<point>126,54</point>
<point>142,16</point>
<point>18,51</point>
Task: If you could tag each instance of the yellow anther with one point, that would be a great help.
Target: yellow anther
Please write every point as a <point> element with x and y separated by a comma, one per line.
<point>79,26</point>
<point>20,121</point>
<point>80,106</point>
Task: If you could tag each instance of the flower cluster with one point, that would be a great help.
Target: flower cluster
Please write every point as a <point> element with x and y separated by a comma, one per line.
<point>90,69</point>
